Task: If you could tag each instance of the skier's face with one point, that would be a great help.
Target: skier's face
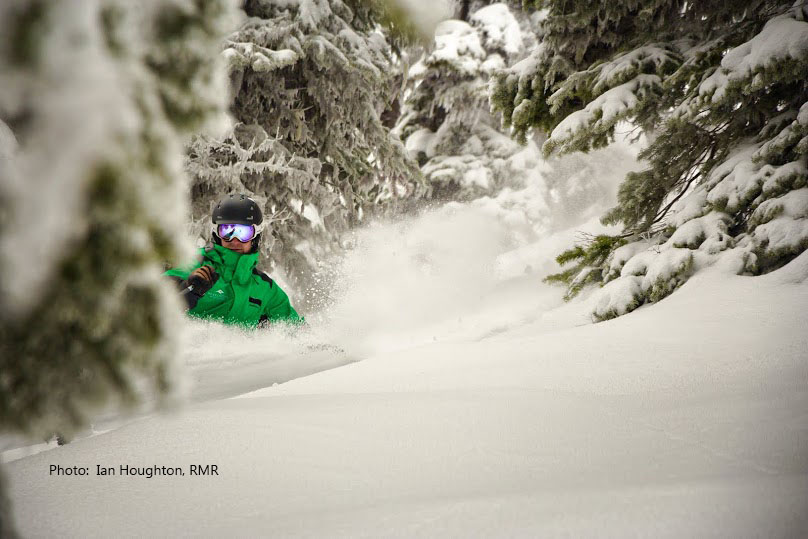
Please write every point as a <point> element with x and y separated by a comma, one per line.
<point>237,246</point>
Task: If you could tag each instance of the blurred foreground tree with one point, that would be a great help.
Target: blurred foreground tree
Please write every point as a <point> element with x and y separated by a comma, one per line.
<point>97,100</point>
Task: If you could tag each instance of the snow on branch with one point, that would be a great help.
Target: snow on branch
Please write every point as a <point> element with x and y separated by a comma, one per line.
<point>260,59</point>
<point>601,115</point>
<point>457,44</point>
<point>656,58</point>
<point>500,28</point>
<point>783,41</point>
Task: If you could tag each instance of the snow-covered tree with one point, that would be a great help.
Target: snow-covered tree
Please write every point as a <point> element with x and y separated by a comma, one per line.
<point>446,123</point>
<point>98,98</point>
<point>311,81</point>
<point>721,91</point>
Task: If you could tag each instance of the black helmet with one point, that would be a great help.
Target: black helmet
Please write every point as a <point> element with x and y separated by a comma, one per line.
<point>239,209</point>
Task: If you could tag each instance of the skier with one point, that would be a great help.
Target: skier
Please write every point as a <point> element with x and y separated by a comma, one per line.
<point>225,284</point>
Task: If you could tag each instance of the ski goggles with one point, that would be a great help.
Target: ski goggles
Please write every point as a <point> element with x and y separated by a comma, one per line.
<point>231,231</point>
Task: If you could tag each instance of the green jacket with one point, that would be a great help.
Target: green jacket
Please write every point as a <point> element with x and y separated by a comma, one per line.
<point>241,295</point>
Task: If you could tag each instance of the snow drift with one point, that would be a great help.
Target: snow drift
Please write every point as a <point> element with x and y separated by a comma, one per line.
<point>483,406</point>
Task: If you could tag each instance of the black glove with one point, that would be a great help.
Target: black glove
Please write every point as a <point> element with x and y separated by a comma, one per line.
<point>198,283</point>
<point>202,279</point>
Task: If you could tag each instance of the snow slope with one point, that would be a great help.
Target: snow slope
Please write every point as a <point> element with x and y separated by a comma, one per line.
<point>483,407</point>
<point>685,418</point>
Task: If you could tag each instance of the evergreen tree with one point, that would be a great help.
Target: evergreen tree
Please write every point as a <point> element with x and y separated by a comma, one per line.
<point>446,123</point>
<point>721,93</point>
<point>312,81</point>
<point>98,99</point>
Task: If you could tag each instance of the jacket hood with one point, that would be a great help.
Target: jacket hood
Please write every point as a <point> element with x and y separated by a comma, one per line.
<point>230,265</point>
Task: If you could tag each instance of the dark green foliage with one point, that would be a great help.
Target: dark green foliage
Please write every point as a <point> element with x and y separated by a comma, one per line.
<point>587,259</point>
<point>85,317</point>
<point>683,155</point>
<point>581,38</point>
<point>584,32</point>
<point>111,19</point>
<point>175,25</point>
<point>97,327</point>
<point>24,35</point>
<point>77,347</point>
<point>665,286</point>
<point>658,65</point>
<point>768,259</point>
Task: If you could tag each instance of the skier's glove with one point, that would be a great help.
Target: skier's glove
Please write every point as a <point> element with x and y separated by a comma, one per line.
<point>197,284</point>
<point>201,280</point>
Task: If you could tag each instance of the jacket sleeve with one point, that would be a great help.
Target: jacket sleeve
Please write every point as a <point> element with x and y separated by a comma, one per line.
<point>279,309</point>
